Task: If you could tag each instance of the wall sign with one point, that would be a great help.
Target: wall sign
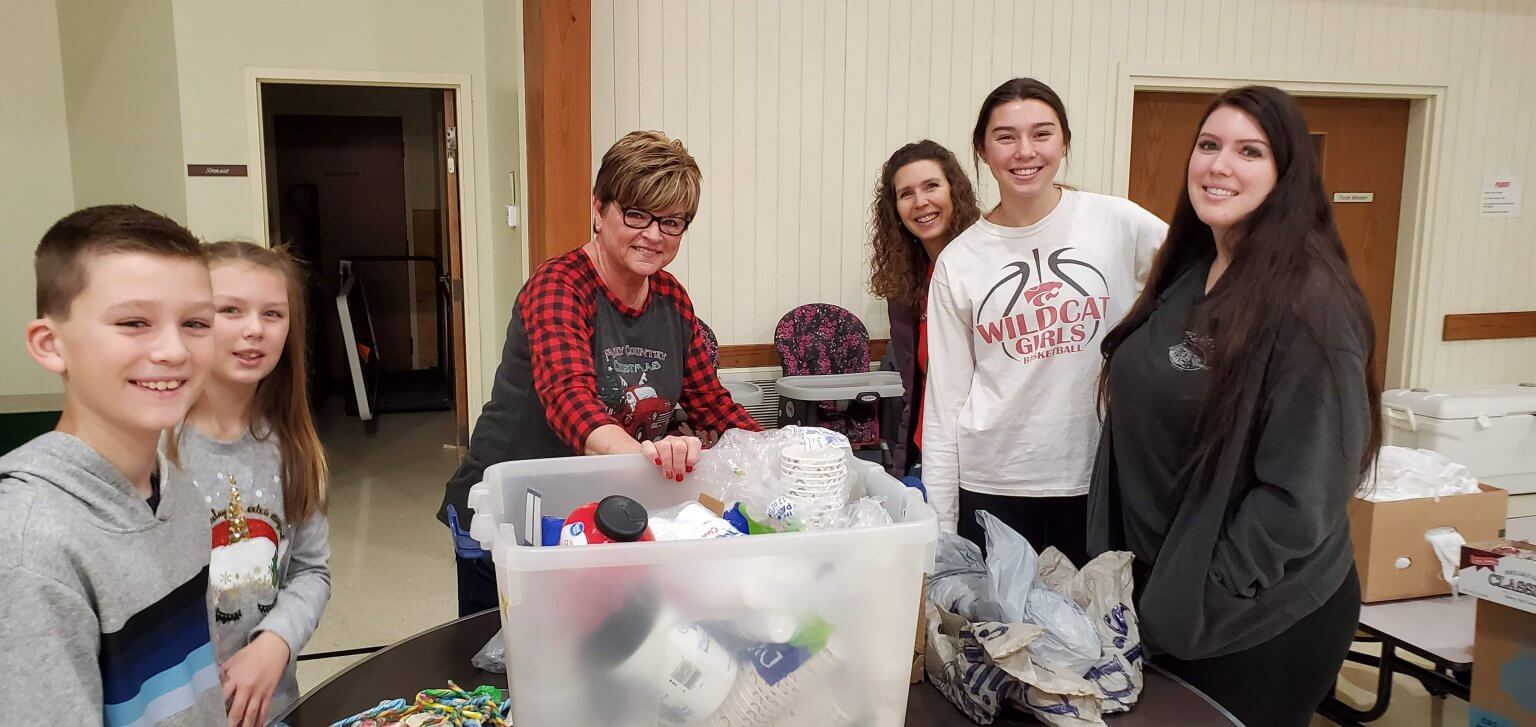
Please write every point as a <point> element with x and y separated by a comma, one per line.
<point>216,170</point>
<point>1501,196</point>
<point>1354,197</point>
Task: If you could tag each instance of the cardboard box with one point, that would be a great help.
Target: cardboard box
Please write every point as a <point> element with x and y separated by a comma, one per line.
<point>1500,571</point>
<point>1385,532</point>
<point>921,642</point>
<point>1504,675</point>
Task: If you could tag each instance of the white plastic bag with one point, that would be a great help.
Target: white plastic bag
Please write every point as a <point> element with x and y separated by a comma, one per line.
<point>982,667</point>
<point>1070,645</point>
<point>866,512</point>
<point>1406,474</point>
<point>690,521</point>
<point>746,467</point>
<point>492,657</point>
<point>959,583</point>
<point>1104,589</point>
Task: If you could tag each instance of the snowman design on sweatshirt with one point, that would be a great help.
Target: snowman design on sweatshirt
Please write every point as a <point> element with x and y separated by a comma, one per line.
<point>247,545</point>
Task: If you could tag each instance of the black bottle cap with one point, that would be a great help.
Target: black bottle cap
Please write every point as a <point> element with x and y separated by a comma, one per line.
<point>621,519</point>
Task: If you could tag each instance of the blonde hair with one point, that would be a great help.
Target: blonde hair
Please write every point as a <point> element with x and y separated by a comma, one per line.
<point>282,398</point>
<point>647,170</point>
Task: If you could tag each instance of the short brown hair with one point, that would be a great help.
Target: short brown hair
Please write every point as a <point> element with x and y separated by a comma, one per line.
<point>648,171</point>
<point>62,254</point>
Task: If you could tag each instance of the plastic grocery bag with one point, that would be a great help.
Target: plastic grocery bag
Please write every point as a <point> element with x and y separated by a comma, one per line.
<point>984,666</point>
<point>1070,645</point>
<point>960,583</point>
<point>492,657</point>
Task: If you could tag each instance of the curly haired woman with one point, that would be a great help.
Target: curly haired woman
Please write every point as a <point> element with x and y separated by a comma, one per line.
<point>922,201</point>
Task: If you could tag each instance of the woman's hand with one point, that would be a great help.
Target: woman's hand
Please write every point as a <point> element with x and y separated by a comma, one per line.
<point>250,677</point>
<point>676,456</point>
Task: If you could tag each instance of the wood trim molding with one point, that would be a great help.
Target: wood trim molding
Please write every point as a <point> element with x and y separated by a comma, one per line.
<point>752,355</point>
<point>1485,326</point>
<point>557,57</point>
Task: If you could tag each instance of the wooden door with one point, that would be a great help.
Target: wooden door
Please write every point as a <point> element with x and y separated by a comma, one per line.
<point>452,240</point>
<point>1361,144</point>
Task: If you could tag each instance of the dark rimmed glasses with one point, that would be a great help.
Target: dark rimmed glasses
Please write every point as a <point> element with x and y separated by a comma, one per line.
<point>638,219</point>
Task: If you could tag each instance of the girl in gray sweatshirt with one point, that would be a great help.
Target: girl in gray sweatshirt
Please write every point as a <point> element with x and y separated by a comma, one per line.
<point>249,445</point>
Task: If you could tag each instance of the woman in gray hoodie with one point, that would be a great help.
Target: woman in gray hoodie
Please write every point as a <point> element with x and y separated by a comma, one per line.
<point>1240,419</point>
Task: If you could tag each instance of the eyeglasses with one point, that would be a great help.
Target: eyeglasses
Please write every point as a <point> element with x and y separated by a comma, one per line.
<point>637,219</point>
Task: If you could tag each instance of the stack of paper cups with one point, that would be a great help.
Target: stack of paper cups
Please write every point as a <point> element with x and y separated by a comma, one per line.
<point>816,482</point>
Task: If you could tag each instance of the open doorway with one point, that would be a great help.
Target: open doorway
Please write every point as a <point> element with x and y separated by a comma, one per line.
<point>361,181</point>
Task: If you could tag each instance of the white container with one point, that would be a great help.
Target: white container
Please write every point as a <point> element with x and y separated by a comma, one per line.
<point>861,582</point>
<point>1489,429</point>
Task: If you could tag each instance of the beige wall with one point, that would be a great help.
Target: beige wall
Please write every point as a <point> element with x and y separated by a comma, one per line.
<point>792,106</point>
<point>121,98</point>
<point>219,40</point>
<point>503,99</point>
<point>35,190</point>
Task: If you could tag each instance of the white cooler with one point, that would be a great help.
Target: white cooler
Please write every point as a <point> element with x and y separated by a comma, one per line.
<point>1489,429</point>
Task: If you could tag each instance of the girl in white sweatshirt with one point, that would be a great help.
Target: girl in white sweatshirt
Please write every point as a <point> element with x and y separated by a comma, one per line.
<point>1018,306</point>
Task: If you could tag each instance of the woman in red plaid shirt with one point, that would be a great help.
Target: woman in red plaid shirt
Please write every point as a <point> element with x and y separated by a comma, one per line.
<point>602,347</point>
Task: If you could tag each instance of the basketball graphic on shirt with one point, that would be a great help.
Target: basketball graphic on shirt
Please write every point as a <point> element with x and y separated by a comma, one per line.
<point>1044,307</point>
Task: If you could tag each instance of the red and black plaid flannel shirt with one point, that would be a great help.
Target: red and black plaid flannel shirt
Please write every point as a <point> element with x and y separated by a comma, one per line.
<point>557,308</point>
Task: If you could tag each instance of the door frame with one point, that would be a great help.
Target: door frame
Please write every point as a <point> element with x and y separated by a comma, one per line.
<point>473,248</point>
<point>1410,321</point>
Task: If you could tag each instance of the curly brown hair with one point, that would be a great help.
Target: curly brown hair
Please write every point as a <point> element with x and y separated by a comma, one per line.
<point>898,262</point>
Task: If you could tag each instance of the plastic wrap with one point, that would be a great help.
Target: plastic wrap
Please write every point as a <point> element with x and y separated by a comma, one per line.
<point>1406,474</point>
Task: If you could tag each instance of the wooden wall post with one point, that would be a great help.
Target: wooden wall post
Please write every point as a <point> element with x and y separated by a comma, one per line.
<point>557,58</point>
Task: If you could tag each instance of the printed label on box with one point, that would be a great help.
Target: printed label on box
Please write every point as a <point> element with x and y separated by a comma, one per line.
<point>1501,572</point>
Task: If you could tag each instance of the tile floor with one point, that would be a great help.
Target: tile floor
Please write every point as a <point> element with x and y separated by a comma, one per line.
<point>392,564</point>
<point>391,561</point>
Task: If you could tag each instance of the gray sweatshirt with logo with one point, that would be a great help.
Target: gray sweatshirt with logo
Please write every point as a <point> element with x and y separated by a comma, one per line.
<point>277,577</point>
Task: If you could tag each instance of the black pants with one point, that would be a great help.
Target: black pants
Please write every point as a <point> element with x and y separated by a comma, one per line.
<point>477,585</point>
<point>1281,681</point>
<point>1060,522</point>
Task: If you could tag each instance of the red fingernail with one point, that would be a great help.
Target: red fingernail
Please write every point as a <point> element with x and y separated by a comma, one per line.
<point>690,468</point>
<point>658,460</point>
<point>679,478</point>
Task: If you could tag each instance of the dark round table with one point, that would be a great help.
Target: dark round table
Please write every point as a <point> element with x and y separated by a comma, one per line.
<point>432,657</point>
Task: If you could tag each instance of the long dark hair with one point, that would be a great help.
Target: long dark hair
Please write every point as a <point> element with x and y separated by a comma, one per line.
<point>1016,89</point>
<point>898,262</point>
<point>1287,263</point>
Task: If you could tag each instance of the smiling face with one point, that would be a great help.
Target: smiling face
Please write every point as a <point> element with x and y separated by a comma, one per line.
<point>1024,146</point>
<point>251,321</point>
<point>923,199</point>
<point>643,252</point>
<point>136,342</point>
<point>1231,170</point>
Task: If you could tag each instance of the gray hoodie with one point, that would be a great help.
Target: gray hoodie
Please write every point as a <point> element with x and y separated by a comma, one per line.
<point>102,615</point>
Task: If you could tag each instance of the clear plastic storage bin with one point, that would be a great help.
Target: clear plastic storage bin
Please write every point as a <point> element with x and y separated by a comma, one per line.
<point>686,632</point>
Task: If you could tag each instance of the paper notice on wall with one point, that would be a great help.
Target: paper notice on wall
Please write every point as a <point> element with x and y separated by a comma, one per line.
<point>1501,196</point>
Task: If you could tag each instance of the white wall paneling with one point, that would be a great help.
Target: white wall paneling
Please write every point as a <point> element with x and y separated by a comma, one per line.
<point>791,106</point>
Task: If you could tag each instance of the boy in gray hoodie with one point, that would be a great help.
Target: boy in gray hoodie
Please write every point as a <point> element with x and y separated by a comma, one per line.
<point>103,550</point>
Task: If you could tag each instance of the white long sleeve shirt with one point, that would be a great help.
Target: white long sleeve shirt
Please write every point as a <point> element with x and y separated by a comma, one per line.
<point>1015,319</point>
